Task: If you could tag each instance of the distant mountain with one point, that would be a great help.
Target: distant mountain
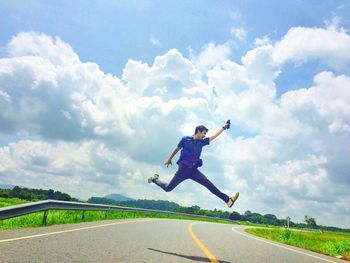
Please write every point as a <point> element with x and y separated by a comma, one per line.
<point>118,197</point>
<point>6,186</point>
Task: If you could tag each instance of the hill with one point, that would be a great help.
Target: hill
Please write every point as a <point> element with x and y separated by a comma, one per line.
<point>6,186</point>
<point>118,197</point>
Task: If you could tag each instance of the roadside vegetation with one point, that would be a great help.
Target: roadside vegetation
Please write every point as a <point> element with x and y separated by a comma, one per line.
<point>247,218</point>
<point>69,216</point>
<point>325,242</point>
<point>11,201</point>
<point>328,240</point>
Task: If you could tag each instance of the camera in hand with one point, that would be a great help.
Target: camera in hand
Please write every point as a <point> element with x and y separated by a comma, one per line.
<point>228,124</point>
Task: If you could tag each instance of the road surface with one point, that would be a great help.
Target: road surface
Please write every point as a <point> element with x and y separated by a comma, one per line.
<point>147,240</point>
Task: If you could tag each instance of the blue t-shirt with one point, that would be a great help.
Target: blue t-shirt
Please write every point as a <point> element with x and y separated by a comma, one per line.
<point>191,150</point>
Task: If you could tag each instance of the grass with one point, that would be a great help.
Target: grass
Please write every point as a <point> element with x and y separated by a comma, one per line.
<point>69,216</point>
<point>328,243</point>
<point>11,201</point>
<point>247,223</point>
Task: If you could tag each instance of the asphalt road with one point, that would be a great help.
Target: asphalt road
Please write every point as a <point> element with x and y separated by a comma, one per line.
<point>146,240</point>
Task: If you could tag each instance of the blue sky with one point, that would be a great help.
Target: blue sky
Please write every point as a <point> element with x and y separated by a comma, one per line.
<point>90,88</point>
<point>112,32</point>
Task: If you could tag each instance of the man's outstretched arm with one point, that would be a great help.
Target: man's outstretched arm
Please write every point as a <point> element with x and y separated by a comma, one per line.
<point>168,162</point>
<point>225,127</point>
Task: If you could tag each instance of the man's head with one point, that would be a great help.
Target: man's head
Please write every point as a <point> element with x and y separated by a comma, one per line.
<point>200,132</point>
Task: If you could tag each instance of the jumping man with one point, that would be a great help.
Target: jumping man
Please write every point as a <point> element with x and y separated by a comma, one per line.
<point>189,161</point>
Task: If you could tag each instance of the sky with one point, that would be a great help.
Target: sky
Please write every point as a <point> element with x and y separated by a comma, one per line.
<point>95,95</point>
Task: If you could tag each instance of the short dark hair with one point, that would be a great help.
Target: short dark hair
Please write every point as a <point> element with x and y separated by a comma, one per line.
<point>200,128</point>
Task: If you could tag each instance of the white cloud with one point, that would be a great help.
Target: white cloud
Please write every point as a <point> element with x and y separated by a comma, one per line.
<point>5,96</point>
<point>260,65</point>
<point>304,177</point>
<point>41,45</point>
<point>240,33</point>
<point>338,126</point>
<point>331,45</point>
<point>334,23</point>
<point>263,41</point>
<point>74,168</point>
<point>211,56</point>
<point>329,98</point>
<point>101,133</point>
<point>250,101</point>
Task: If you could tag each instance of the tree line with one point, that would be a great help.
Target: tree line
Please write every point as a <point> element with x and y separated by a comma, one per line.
<point>248,216</point>
<point>35,194</point>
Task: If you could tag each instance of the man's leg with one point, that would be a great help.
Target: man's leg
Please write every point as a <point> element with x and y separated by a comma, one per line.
<point>203,180</point>
<point>181,175</point>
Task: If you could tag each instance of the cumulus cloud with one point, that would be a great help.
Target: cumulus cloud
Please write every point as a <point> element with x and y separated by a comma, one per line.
<point>81,169</point>
<point>211,56</point>
<point>41,45</point>
<point>262,41</point>
<point>324,108</point>
<point>330,45</point>
<point>91,133</point>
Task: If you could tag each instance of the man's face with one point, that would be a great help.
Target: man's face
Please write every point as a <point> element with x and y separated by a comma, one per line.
<point>202,134</point>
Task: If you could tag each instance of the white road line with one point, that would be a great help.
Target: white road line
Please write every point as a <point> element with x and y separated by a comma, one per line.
<point>277,245</point>
<point>72,230</point>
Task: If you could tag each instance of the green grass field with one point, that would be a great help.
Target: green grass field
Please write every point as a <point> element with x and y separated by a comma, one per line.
<point>69,216</point>
<point>11,201</point>
<point>328,243</point>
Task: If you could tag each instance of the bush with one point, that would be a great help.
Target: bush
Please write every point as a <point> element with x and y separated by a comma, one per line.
<point>285,235</point>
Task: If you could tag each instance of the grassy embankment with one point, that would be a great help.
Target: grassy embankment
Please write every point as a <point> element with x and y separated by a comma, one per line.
<point>69,217</point>
<point>328,243</point>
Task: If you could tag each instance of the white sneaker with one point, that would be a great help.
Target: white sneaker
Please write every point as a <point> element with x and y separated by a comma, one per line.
<point>232,200</point>
<point>153,178</point>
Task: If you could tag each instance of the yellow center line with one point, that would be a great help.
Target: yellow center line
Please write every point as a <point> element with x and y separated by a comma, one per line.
<point>205,250</point>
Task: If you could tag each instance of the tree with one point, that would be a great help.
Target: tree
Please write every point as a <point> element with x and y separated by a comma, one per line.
<point>257,218</point>
<point>310,221</point>
<point>271,219</point>
<point>5,193</point>
<point>235,216</point>
<point>51,194</point>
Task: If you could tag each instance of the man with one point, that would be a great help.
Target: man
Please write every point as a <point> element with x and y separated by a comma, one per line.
<point>189,162</point>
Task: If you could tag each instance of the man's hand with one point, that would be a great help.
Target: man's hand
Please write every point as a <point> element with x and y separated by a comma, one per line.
<point>227,125</point>
<point>168,162</point>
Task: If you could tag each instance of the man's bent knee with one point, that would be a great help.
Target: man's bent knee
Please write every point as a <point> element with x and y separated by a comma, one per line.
<point>167,188</point>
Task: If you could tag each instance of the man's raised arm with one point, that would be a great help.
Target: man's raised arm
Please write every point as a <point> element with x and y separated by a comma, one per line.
<point>225,127</point>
